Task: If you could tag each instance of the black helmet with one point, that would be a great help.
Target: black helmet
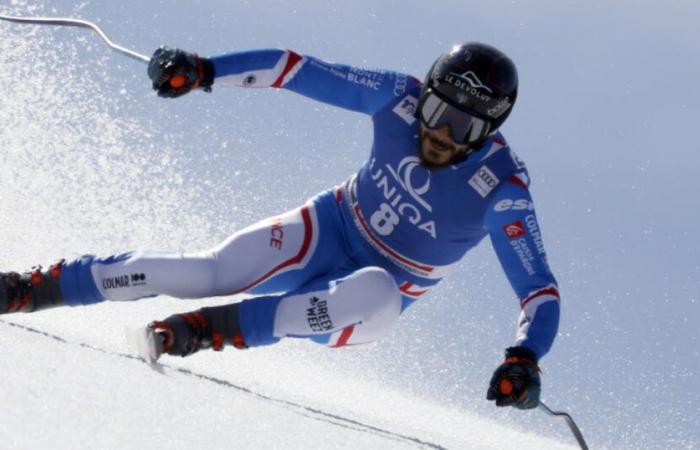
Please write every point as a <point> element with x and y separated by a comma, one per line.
<point>472,88</point>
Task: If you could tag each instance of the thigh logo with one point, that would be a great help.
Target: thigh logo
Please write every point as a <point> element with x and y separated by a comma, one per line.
<point>138,279</point>
<point>317,315</point>
<point>116,282</point>
<point>276,234</point>
<point>124,281</point>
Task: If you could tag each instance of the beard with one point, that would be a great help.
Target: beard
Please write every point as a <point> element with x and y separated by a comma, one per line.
<point>427,163</point>
<point>431,153</point>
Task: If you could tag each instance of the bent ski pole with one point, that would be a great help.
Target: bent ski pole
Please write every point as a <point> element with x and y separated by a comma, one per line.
<point>569,421</point>
<point>77,23</point>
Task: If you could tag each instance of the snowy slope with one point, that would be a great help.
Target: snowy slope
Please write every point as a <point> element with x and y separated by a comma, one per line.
<point>93,162</point>
<point>62,393</point>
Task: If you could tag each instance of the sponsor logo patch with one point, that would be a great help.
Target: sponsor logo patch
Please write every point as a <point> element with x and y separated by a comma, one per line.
<point>276,234</point>
<point>371,79</point>
<point>406,109</point>
<point>502,106</point>
<point>527,259</point>
<point>471,78</point>
<point>514,230</point>
<point>400,84</point>
<point>409,177</point>
<point>317,315</point>
<point>484,181</point>
<point>124,281</point>
<point>534,231</point>
<point>515,205</point>
<point>116,282</point>
<point>138,279</point>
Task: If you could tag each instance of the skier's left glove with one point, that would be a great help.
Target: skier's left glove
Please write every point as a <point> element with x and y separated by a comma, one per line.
<point>175,72</point>
<point>516,382</point>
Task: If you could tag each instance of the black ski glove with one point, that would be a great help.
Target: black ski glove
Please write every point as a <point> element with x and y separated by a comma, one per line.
<point>516,382</point>
<point>175,72</point>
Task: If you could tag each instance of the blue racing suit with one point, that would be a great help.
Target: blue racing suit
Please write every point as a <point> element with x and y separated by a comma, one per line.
<point>412,221</point>
<point>392,219</point>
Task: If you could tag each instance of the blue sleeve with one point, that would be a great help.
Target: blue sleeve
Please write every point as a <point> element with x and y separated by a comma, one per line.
<point>340,85</point>
<point>515,234</point>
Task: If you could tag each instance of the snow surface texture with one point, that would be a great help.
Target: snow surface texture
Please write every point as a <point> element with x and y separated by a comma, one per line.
<point>93,162</point>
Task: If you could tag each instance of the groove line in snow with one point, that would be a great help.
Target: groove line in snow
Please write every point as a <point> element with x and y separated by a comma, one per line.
<point>307,411</point>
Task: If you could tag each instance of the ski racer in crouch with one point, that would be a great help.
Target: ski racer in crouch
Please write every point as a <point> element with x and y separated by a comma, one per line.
<point>341,268</point>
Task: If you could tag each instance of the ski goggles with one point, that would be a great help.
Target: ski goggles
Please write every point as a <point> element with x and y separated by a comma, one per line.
<point>465,128</point>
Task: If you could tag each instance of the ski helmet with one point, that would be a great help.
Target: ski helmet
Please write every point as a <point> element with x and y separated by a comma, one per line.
<point>472,89</point>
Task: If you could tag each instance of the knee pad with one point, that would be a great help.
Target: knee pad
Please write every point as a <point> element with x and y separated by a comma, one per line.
<point>377,290</point>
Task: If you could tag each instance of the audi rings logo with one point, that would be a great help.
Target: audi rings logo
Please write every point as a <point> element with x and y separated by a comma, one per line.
<point>400,84</point>
<point>414,179</point>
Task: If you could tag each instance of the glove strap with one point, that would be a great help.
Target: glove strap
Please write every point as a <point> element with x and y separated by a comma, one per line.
<point>522,355</point>
<point>205,73</point>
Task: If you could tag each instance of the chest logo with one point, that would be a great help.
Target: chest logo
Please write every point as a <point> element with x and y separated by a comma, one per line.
<point>394,183</point>
<point>484,181</point>
<point>406,109</point>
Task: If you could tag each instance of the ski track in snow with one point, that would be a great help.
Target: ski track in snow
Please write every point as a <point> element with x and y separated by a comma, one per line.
<point>306,411</point>
<point>66,387</point>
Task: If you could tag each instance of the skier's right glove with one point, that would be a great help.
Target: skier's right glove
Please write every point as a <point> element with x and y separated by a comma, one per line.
<point>516,382</point>
<point>175,72</point>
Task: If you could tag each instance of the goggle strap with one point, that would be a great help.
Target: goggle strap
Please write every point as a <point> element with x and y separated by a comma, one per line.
<point>478,129</point>
<point>439,112</point>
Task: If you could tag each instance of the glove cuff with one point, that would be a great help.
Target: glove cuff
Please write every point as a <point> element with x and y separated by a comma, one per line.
<point>205,73</point>
<point>521,354</point>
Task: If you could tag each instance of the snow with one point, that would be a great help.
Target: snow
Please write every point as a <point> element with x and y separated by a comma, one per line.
<point>62,393</point>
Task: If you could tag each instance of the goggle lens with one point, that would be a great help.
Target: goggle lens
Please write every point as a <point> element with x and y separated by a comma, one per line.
<point>464,127</point>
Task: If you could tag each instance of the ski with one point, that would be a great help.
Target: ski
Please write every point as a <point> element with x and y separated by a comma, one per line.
<point>147,344</point>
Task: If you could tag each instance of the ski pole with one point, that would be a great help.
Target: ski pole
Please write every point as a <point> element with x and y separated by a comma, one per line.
<point>569,421</point>
<point>69,22</point>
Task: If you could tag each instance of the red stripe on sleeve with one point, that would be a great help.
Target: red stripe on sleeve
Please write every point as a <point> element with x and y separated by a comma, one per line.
<point>294,58</point>
<point>518,181</point>
<point>548,291</point>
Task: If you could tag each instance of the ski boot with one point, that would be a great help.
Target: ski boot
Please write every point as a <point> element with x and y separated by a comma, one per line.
<point>187,333</point>
<point>31,291</point>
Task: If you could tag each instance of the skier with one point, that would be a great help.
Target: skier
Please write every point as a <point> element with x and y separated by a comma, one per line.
<point>342,267</point>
